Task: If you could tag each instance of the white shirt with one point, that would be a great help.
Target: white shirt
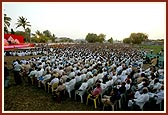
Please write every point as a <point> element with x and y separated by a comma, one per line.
<point>32,73</point>
<point>55,80</point>
<point>17,67</point>
<point>71,75</point>
<point>127,86</point>
<point>137,94</point>
<point>109,83</point>
<point>47,76</point>
<point>141,100</point>
<point>38,74</point>
<point>160,96</point>
<point>90,81</point>
<point>103,86</point>
<point>83,76</point>
<point>83,86</point>
<point>100,75</point>
<point>157,86</point>
<point>78,78</point>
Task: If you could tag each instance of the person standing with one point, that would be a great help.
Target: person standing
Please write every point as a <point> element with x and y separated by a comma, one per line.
<point>6,75</point>
<point>17,70</point>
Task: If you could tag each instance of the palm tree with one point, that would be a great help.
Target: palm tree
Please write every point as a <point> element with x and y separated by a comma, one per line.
<point>6,23</point>
<point>22,22</point>
<point>28,31</point>
<point>38,33</point>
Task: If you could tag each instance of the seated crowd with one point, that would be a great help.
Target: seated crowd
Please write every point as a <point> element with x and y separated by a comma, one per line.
<point>112,72</point>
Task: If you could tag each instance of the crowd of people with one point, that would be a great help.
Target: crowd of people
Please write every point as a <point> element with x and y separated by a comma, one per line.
<point>109,71</point>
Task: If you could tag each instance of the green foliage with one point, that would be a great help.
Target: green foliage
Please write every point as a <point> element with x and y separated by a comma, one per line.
<point>93,38</point>
<point>6,23</point>
<point>101,38</point>
<point>47,33</point>
<point>110,40</point>
<point>136,38</point>
<point>40,39</point>
<point>127,40</point>
<point>22,22</point>
<point>43,37</point>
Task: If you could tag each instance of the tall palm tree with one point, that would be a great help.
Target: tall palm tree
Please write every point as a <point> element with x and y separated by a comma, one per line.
<point>22,22</point>
<point>6,22</point>
<point>28,31</point>
<point>38,33</point>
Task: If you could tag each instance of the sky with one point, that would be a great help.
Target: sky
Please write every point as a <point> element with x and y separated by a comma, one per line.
<point>75,20</point>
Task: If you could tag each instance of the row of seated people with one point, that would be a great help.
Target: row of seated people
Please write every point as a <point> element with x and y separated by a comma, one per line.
<point>81,87</point>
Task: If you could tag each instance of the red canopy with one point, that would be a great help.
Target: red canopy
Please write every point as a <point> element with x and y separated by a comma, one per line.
<point>15,42</point>
<point>14,38</point>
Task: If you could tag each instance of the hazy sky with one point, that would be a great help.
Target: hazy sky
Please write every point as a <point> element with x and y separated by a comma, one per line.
<point>76,20</point>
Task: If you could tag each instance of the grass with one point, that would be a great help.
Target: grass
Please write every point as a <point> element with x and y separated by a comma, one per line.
<point>156,48</point>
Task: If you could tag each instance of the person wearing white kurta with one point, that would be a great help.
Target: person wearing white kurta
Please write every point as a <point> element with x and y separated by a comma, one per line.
<point>55,80</point>
<point>160,95</point>
<point>32,73</point>
<point>83,86</point>
<point>71,75</point>
<point>140,100</point>
<point>45,78</point>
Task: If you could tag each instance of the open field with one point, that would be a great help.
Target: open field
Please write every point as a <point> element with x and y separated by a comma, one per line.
<point>156,49</point>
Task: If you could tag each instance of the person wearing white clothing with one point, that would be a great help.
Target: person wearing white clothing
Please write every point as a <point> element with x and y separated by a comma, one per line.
<point>78,78</point>
<point>72,74</point>
<point>109,82</point>
<point>160,95</point>
<point>39,73</point>
<point>45,78</point>
<point>55,80</point>
<point>127,85</point>
<point>83,86</point>
<point>156,85</point>
<point>140,100</point>
<point>90,81</point>
<point>33,72</point>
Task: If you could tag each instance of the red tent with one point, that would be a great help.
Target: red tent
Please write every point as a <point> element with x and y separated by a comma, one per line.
<point>15,42</point>
<point>12,37</point>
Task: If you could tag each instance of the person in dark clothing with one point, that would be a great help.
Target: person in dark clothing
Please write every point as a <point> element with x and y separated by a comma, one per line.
<point>115,95</point>
<point>6,75</point>
<point>122,89</point>
<point>112,98</point>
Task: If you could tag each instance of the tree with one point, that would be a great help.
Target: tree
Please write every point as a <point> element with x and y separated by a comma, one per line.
<point>47,33</point>
<point>28,33</point>
<point>22,22</point>
<point>38,33</point>
<point>137,38</point>
<point>101,38</point>
<point>43,37</point>
<point>127,40</point>
<point>110,40</point>
<point>6,23</point>
<point>93,38</point>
